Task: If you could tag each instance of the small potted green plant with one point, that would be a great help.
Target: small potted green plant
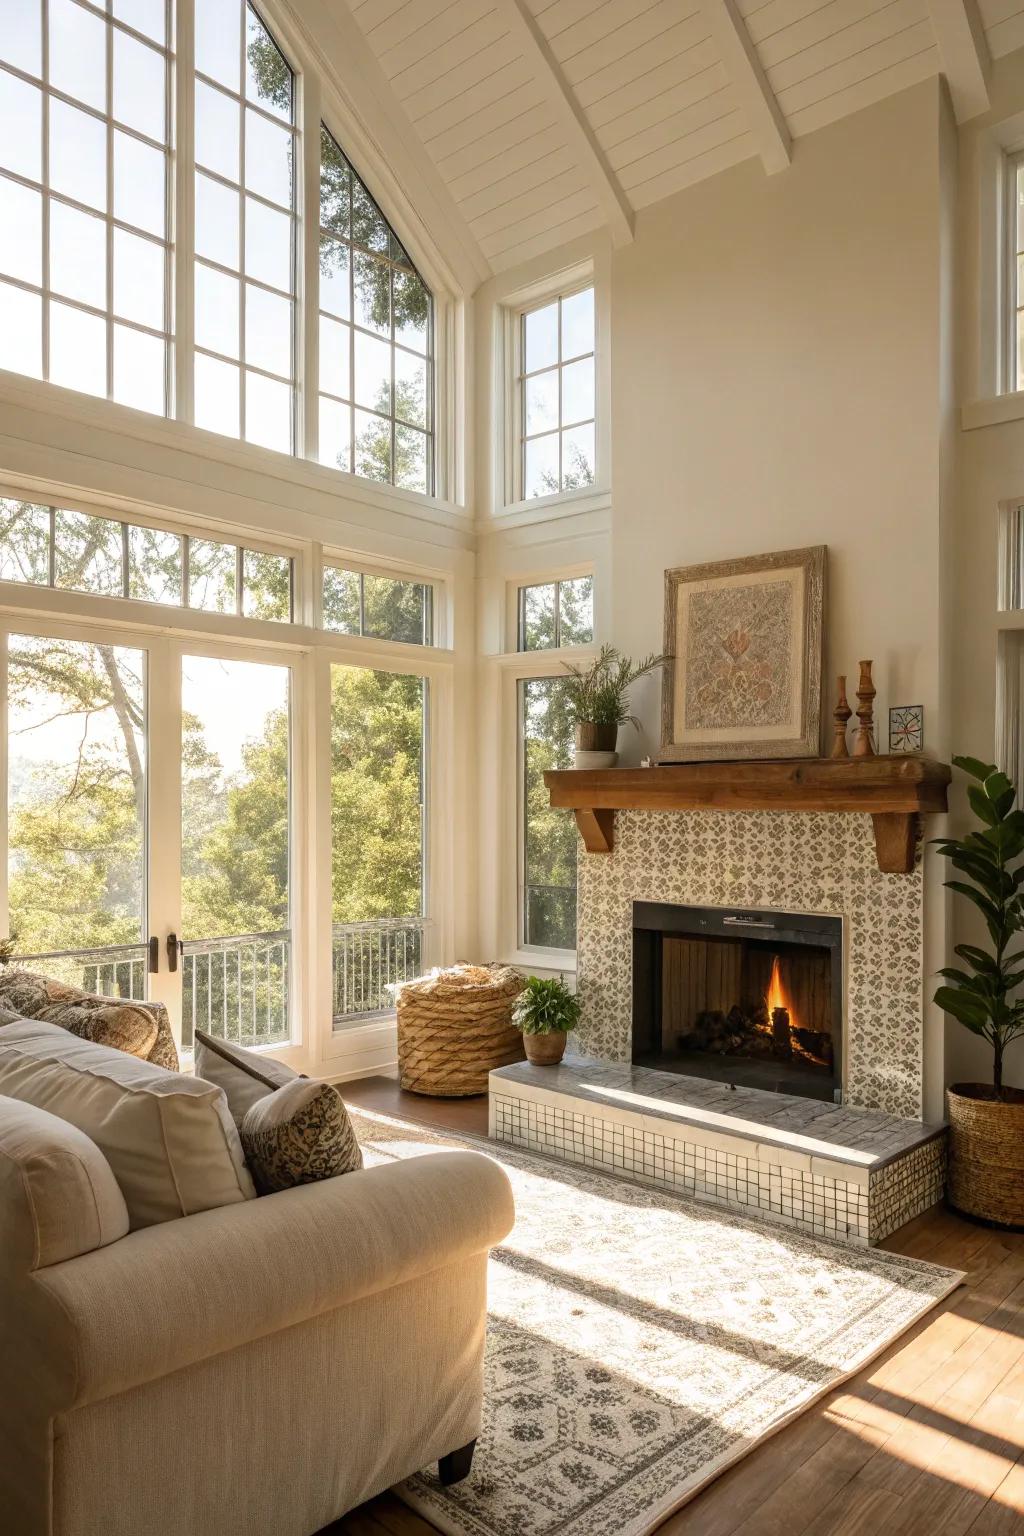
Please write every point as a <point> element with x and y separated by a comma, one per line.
<point>598,703</point>
<point>545,1011</point>
<point>986,1120</point>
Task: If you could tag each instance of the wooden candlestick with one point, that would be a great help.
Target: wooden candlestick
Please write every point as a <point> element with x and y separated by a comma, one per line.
<point>840,715</point>
<point>864,745</point>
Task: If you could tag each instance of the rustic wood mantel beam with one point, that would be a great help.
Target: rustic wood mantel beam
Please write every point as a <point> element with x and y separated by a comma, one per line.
<point>894,791</point>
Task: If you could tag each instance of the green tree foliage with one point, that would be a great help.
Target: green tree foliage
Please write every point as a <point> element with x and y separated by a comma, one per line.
<point>550,850</point>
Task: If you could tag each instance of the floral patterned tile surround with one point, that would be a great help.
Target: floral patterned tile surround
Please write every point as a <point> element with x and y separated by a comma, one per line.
<point>790,861</point>
<point>855,1172</point>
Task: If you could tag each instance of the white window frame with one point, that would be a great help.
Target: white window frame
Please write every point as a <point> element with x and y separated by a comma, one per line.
<point>309,650</point>
<point>437,603</point>
<point>518,627</point>
<point>318,99</point>
<point>107,216</point>
<point>519,377</point>
<point>1012,297</point>
<point>244,105</point>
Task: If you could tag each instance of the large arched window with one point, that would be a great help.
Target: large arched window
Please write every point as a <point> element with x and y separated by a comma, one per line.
<point>84,136</point>
<point>376,338</point>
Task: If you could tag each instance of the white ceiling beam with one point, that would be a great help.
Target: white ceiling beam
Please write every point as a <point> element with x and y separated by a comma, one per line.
<point>385,147</point>
<point>963,49</point>
<point>755,96</point>
<point>582,141</point>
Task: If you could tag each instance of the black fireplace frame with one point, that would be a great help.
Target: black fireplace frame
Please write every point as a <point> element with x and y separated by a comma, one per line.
<point>652,919</point>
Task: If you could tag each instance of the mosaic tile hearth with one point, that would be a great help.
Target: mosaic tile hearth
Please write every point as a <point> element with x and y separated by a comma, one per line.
<point>787,861</point>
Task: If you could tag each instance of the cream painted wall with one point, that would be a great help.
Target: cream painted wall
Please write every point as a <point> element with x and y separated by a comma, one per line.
<point>776,383</point>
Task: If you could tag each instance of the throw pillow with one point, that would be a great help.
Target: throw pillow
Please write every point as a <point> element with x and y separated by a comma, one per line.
<point>297,1135</point>
<point>169,1139</point>
<point>138,1029</point>
<point>245,1076</point>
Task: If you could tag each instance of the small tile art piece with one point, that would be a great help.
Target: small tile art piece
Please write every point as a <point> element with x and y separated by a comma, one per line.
<point>906,728</point>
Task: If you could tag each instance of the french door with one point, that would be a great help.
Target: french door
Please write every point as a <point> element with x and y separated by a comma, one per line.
<point>149,787</point>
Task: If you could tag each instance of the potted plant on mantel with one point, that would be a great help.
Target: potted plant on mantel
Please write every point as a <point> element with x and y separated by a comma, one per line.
<point>986,1121</point>
<point>545,1011</point>
<point>598,702</point>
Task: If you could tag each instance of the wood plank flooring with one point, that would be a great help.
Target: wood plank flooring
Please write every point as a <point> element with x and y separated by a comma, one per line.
<point>927,1441</point>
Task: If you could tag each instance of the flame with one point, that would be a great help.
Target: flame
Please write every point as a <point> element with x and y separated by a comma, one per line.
<point>777,996</point>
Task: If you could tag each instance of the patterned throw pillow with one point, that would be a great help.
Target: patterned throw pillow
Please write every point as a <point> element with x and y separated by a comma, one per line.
<point>299,1134</point>
<point>107,1021</point>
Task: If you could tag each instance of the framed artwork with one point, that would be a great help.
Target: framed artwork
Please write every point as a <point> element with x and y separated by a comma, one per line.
<point>744,638</point>
<point>906,728</point>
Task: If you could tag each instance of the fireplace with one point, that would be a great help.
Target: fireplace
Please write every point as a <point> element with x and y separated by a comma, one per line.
<point>751,998</point>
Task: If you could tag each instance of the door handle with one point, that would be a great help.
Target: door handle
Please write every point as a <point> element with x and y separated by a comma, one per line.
<point>175,947</point>
<point>153,964</point>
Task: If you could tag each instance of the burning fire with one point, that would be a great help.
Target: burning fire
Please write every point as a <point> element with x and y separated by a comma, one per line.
<point>777,996</point>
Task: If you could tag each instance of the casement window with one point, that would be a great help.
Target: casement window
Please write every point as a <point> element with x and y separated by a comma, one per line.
<point>381,607</point>
<point>81,552</point>
<point>556,613</point>
<point>85,130</point>
<point>375,335</point>
<point>89,269</point>
<point>555,386</point>
<point>548,839</point>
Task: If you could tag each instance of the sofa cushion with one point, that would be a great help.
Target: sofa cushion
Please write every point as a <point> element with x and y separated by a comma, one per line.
<point>297,1135</point>
<point>245,1076</point>
<point>169,1139</point>
<point>62,1197</point>
<point>140,1029</point>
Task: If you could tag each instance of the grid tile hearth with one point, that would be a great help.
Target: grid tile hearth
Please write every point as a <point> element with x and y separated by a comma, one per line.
<point>844,1188</point>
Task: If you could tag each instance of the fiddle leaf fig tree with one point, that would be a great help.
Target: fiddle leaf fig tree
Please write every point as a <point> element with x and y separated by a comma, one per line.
<point>981,996</point>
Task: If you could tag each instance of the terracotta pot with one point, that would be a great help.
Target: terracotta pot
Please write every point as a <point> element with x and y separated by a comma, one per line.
<point>595,738</point>
<point>545,1050</point>
<point>986,1153</point>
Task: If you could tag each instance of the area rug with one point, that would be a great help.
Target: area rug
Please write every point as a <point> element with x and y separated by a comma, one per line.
<point>638,1343</point>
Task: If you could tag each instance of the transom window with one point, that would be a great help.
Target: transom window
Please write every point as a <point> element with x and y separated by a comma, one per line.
<point>80,552</point>
<point>246,154</point>
<point>384,607</point>
<point>376,338</point>
<point>84,256</point>
<point>556,613</point>
<point>556,387</point>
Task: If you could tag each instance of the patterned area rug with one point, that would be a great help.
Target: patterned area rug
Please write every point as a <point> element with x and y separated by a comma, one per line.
<point>639,1343</point>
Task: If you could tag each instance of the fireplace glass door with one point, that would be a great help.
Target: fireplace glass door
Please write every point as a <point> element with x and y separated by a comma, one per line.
<point>748,998</point>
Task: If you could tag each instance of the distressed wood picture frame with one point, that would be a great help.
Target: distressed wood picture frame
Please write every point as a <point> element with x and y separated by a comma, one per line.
<point>745,642</point>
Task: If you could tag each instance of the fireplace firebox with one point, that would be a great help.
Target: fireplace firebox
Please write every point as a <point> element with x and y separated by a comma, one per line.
<point>745,997</point>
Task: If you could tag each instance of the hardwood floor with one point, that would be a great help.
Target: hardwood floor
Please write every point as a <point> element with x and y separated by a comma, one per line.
<point>927,1441</point>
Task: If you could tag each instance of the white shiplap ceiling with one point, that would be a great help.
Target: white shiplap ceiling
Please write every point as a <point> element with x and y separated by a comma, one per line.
<point>550,118</point>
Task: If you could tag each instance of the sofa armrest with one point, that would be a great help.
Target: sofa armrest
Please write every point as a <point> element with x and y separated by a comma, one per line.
<point>167,1296</point>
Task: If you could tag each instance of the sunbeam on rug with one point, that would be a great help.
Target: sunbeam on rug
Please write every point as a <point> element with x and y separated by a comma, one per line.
<point>639,1343</point>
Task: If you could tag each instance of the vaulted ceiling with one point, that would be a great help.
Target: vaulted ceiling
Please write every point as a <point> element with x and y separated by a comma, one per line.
<point>550,118</point>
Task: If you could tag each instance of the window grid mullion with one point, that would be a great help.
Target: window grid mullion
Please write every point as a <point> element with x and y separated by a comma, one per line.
<point>243,31</point>
<point>44,302</point>
<point>109,209</point>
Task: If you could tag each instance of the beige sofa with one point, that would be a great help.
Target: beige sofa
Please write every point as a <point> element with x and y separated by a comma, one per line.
<point>255,1369</point>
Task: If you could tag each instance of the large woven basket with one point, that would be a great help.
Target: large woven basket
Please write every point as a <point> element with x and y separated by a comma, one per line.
<point>455,1026</point>
<point>986,1155</point>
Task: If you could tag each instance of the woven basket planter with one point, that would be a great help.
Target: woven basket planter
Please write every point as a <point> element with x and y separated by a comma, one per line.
<point>455,1027</point>
<point>986,1155</point>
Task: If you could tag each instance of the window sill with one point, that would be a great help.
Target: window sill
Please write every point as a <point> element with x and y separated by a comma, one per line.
<point>52,401</point>
<point>993,412</point>
<point>542,509</point>
<point>543,960</point>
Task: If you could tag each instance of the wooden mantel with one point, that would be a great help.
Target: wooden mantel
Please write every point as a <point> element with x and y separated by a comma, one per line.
<point>894,791</point>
